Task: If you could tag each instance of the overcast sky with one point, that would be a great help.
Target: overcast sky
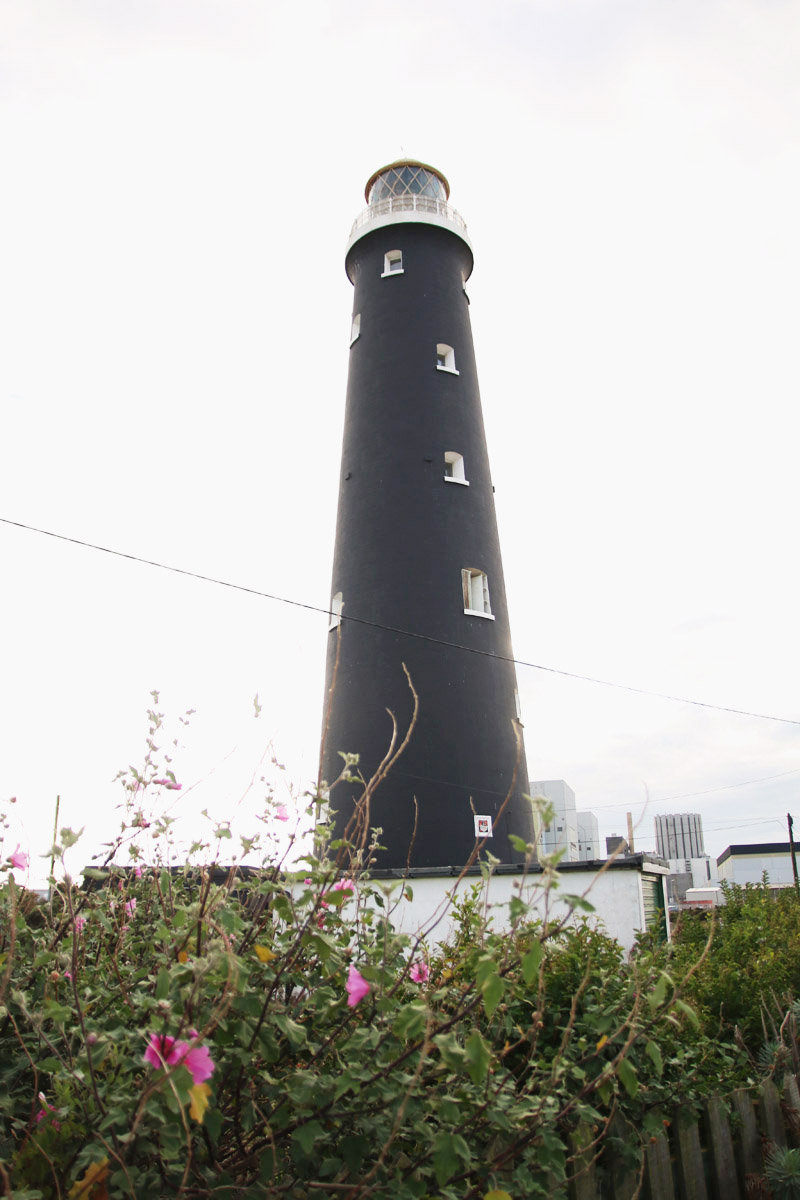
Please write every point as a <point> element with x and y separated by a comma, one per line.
<point>179,179</point>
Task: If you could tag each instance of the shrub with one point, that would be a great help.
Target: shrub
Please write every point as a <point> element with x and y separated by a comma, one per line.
<point>267,1032</point>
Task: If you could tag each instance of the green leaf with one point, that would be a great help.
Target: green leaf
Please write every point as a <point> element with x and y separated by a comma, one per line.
<point>478,1057</point>
<point>162,984</point>
<point>449,1151</point>
<point>447,1045</point>
<point>306,1135</point>
<point>410,1022</point>
<point>497,1194</point>
<point>294,1032</point>
<point>654,1054</point>
<point>519,844</point>
<point>531,961</point>
<point>688,1012</point>
<point>579,902</point>
<point>627,1076</point>
<point>659,992</point>
<point>492,990</point>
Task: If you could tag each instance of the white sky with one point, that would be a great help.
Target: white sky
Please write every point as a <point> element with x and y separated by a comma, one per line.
<point>179,179</point>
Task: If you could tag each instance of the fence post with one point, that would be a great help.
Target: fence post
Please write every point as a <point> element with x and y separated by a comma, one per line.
<point>722,1155</point>
<point>771,1115</point>
<point>583,1180</point>
<point>791,1097</point>
<point>749,1140</point>
<point>659,1168</point>
<point>625,1180</point>
<point>690,1160</point>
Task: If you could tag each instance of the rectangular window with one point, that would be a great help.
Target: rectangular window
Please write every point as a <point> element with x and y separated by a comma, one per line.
<point>475,586</point>
<point>392,263</point>
<point>445,358</point>
<point>454,467</point>
<point>336,611</point>
<point>355,328</point>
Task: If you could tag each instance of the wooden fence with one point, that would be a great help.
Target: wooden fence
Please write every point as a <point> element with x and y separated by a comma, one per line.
<point>716,1156</point>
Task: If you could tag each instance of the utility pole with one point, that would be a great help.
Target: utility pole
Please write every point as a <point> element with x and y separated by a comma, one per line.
<point>794,856</point>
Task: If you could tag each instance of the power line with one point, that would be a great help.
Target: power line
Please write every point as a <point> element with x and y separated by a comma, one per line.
<point>239,587</point>
<point>726,787</point>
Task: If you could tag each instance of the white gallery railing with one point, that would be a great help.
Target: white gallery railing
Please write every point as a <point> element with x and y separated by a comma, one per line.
<point>409,203</point>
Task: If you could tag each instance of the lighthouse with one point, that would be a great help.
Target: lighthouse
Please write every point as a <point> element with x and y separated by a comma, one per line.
<point>417,597</point>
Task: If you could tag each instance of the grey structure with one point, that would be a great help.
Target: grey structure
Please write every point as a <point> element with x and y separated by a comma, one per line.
<point>679,835</point>
<point>417,574</point>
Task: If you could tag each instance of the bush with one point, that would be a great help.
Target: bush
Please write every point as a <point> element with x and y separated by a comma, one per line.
<point>750,974</point>
<point>264,1033</point>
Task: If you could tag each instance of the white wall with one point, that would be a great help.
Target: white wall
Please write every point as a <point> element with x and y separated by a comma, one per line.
<point>615,893</point>
<point>749,868</point>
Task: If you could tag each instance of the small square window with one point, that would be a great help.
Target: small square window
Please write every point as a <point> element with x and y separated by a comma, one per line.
<point>475,586</point>
<point>445,358</point>
<point>393,263</point>
<point>355,328</point>
<point>454,468</point>
<point>336,611</point>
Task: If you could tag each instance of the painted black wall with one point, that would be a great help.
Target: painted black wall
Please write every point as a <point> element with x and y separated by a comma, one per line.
<point>403,537</point>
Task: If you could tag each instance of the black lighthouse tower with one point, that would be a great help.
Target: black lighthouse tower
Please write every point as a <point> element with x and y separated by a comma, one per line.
<point>417,574</point>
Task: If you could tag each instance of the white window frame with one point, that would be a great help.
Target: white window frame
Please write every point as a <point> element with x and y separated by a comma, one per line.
<point>389,259</point>
<point>455,462</point>
<point>355,328</point>
<point>475,593</point>
<point>337,604</point>
<point>448,355</point>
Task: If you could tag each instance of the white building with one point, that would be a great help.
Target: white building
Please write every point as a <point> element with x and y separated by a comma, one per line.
<point>628,895</point>
<point>679,835</point>
<point>588,837</point>
<point>748,863</point>
<point>562,832</point>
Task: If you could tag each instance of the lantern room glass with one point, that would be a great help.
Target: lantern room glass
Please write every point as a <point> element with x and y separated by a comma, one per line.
<point>407,180</point>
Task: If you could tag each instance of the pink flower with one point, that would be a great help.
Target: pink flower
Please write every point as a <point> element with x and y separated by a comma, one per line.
<point>169,784</point>
<point>199,1063</point>
<point>68,975</point>
<point>79,924</point>
<point>45,1111</point>
<point>137,872</point>
<point>130,907</point>
<point>343,885</point>
<point>281,813</point>
<point>167,1051</point>
<point>162,1051</point>
<point>19,859</point>
<point>420,972</point>
<point>356,987</point>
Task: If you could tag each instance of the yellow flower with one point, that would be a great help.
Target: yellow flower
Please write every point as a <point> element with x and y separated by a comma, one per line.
<point>264,954</point>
